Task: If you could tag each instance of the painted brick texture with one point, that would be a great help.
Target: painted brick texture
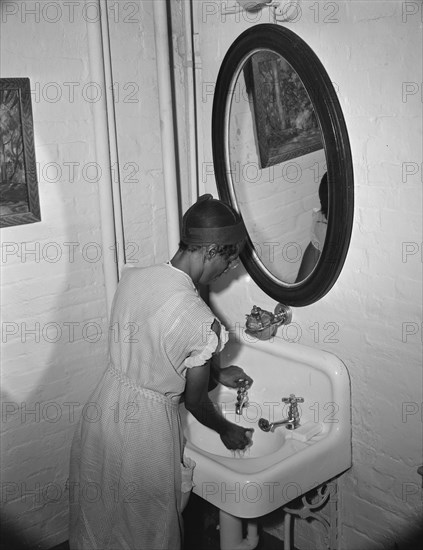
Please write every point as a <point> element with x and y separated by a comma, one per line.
<point>54,312</point>
<point>372,317</point>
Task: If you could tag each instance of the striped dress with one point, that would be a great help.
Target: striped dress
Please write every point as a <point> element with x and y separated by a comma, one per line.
<point>125,468</point>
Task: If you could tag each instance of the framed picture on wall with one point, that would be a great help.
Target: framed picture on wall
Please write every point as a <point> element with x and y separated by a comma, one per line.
<point>19,202</point>
<point>285,121</point>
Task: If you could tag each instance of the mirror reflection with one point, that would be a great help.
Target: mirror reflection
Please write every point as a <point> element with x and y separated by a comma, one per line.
<point>277,164</point>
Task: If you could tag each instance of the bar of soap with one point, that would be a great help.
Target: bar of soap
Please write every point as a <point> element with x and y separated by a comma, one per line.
<point>306,431</point>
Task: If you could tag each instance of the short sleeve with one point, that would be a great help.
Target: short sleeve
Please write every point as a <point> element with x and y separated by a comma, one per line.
<point>189,339</point>
<point>211,341</point>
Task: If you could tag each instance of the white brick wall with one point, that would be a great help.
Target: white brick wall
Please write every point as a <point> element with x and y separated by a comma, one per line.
<point>372,317</point>
<point>57,290</point>
<point>138,129</point>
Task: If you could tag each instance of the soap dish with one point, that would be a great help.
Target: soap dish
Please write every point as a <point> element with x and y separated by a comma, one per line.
<point>306,431</point>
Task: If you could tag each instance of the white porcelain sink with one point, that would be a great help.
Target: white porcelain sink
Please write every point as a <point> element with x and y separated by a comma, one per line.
<point>280,465</point>
<point>209,441</point>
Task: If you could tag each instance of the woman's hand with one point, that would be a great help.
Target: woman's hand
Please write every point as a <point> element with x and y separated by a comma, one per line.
<point>198,403</point>
<point>236,438</point>
<point>230,376</point>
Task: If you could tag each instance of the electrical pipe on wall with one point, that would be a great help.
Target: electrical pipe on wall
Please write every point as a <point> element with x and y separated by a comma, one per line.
<point>197,85</point>
<point>112,136</point>
<point>166,123</point>
<point>190,101</point>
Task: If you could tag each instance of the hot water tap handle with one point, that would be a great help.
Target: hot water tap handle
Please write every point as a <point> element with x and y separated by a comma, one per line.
<point>243,384</point>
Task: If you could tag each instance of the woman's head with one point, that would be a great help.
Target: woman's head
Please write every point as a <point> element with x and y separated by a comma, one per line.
<point>214,230</point>
<point>210,221</point>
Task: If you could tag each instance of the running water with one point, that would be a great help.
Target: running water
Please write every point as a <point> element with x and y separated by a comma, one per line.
<point>240,453</point>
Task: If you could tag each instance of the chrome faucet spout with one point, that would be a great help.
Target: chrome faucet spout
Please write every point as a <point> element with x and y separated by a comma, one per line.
<point>267,426</point>
<point>293,420</point>
<point>240,405</point>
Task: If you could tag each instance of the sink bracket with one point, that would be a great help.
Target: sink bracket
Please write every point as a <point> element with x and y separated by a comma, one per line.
<point>312,507</point>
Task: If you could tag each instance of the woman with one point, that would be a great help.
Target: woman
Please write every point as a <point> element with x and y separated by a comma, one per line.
<point>126,466</point>
<point>318,233</point>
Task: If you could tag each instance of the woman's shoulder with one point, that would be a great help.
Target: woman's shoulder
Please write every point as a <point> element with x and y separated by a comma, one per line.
<point>157,272</point>
<point>161,281</point>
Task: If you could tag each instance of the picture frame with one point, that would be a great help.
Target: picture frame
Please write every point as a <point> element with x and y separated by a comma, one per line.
<point>286,124</point>
<point>19,200</point>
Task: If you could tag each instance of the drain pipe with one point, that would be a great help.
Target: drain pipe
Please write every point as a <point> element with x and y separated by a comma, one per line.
<point>166,123</point>
<point>102,148</point>
<point>231,533</point>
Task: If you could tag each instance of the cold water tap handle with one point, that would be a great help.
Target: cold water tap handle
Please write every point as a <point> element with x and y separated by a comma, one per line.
<point>292,399</point>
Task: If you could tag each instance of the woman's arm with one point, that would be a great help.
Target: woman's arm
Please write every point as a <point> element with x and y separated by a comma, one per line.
<point>198,403</point>
<point>214,372</point>
<point>310,259</point>
<point>228,376</point>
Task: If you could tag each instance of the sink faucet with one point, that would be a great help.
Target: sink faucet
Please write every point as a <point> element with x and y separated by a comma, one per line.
<point>293,420</point>
<point>242,396</point>
<point>293,415</point>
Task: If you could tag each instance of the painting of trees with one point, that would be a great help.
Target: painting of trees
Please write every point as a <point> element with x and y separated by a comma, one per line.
<point>13,190</point>
<point>18,184</point>
<point>286,123</point>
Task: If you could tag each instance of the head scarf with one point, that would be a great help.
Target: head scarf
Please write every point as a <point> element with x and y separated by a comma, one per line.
<point>209,230</point>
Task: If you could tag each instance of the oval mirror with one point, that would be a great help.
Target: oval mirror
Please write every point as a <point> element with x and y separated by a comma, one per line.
<point>282,159</point>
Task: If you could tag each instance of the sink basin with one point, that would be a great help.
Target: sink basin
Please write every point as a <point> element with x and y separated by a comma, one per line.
<point>209,441</point>
<point>282,465</point>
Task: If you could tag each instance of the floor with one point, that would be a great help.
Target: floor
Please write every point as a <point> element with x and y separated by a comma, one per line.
<point>201,529</point>
<point>202,533</point>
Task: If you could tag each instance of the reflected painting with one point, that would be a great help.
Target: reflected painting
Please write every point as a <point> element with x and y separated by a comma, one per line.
<point>285,121</point>
<point>19,203</point>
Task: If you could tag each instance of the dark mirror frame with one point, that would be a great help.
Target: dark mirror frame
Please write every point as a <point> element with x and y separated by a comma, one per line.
<point>338,156</point>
